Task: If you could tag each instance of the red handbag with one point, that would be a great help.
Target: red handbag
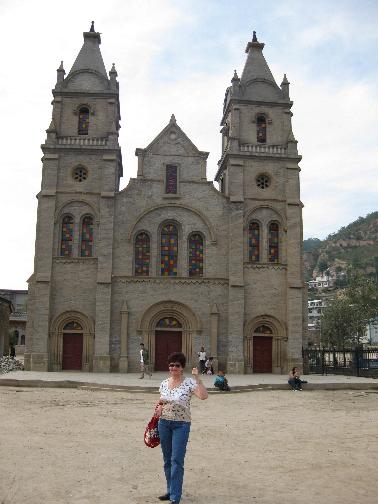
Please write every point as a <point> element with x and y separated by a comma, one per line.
<point>151,434</point>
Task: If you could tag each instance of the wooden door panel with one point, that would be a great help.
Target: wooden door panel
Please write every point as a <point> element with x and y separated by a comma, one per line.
<point>166,342</point>
<point>72,351</point>
<point>262,354</point>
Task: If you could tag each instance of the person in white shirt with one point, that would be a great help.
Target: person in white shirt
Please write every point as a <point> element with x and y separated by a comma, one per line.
<point>144,362</point>
<point>202,358</point>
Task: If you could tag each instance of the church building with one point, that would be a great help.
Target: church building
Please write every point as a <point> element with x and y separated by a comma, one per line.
<point>170,260</point>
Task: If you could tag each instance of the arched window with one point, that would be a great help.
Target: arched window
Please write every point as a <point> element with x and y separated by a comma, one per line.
<point>168,250</point>
<point>261,129</point>
<point>168,323</point>
<point>67,236</point>
<point>83,126</point>
<point>86,247</point>
<point>273,249</point>
<point>72,326</point>
<point>22,339</point>
<point>142,254</point>
<point>254,242</point>
<point>195,255</point>
<point>263,329</point>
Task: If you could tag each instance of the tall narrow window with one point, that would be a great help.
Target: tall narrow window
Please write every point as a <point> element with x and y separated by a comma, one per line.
<point>171,179</point>
<point>142,254</point>
<point>195,255</point>
<point>273,251</point>
<point>261,128</point>
<point>83,121</point>
<point>67,236</point>
<point>254,242</point>
<point>169,250</point>
<point>86,247</point>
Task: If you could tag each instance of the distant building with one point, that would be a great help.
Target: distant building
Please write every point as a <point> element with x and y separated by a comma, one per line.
<point>315,310</point>
<point>6,309</point>
<point>18,317</point>
<point>372,332</point>
<point>321,282</point>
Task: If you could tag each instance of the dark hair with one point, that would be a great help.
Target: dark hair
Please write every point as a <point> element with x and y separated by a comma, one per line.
<point>141,344</point>
<point>177,357</point>
<point>294,368</point>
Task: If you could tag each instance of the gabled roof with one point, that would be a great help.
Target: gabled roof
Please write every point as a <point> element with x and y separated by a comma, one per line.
<point>89,57</point>
<point>175,133</point>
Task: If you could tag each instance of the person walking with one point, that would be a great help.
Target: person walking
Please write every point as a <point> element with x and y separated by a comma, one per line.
<point>144,362</point>
<point>173,411</point>
<point>202,358</point>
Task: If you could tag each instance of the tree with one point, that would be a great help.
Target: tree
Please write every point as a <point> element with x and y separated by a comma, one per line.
<point>322,265</point>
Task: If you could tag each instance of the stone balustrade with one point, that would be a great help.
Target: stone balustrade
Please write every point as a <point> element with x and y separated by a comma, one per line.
<point>81,140</point>
<point>275,150</point>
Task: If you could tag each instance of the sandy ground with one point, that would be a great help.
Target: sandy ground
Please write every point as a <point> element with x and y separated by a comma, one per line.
<point>277,447</point>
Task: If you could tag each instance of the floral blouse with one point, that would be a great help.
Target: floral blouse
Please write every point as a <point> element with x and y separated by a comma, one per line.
<point>177,400</point>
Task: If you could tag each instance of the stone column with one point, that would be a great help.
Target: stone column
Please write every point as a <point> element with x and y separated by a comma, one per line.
<point>124,359</point>
<point>214,328</point>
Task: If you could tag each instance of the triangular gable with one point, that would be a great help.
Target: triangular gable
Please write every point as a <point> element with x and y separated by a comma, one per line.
<point>172,134</point>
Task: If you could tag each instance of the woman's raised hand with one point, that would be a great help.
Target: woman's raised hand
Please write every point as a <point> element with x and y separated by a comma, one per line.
<point>195,372</point>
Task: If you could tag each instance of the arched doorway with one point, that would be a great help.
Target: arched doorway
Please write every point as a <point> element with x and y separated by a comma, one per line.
<point>262,349</point>
<point>72,354</point>
<point>71,342</point>
<point>150,328</point>
<point>168,339</point>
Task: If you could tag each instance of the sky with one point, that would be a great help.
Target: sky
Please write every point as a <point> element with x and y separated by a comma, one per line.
<point>178,57</point>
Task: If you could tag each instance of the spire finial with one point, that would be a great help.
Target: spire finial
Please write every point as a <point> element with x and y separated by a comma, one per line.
<point>254,38</point>
<point>92,29</point>
<point>235,77</point>
<point>173,119</point>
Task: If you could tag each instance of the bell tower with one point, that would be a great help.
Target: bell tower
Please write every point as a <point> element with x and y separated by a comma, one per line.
<point>82,166</point>
<point>259,173</point>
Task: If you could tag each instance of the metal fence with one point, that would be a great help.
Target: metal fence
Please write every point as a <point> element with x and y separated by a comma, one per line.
<point>356,361</point>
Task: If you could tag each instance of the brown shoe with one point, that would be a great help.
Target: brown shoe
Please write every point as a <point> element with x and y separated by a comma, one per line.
<point>164,497</point>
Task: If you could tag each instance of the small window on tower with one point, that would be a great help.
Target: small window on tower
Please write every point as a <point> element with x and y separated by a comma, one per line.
<point>80,174</point>
<point>171,179</point>
<point>261,129</point>
<point>83,121</point>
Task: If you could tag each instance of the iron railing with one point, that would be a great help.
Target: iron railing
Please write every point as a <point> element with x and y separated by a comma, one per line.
<point>357,361</point>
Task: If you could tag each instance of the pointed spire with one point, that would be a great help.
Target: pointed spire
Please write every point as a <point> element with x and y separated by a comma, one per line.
<point>285,87</point>
<point>173,119</point>
<point>256,66</point>
<point>89,57</point>
<point>113,71</point>
<point>60,73</point>
<point>235,77</point>
<point>51,132</point>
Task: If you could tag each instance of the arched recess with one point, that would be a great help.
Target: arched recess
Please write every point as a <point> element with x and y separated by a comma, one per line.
<point>175,205</point>
<point>65,207</point>
<point>56,339</point>
<point>274,329</point>
<point>190,326</point>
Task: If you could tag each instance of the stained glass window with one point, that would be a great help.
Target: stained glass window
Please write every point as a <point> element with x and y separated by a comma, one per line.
<point>168,322</point>
<point>195,255</point>
<point>86,248</point>
<point>261,129</point>
<point>83,121</point>
<point>169,250</point>
<point>142,254</point>
<point>171,179</point>
<point>273,252</point>
<point>67,236</point>
<point>263,329</point>
<point>72,326</point>
<point>254,242</point>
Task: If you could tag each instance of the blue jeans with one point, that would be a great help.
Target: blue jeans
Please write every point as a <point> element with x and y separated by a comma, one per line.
<point>173,440</point>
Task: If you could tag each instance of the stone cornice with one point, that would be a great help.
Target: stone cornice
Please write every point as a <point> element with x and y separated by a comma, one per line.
<point>172,280</point>
<point>71,260</point>
<point>261,266</point>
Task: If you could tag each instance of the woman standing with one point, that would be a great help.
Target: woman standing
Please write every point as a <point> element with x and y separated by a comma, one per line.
<point>174,423</point>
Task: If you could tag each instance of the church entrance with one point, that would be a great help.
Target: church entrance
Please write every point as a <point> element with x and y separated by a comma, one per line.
<point>72,356</point>
<point>168,339</point>
<point>262,354</point>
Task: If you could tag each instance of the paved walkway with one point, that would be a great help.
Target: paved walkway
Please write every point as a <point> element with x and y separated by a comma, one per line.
<point>132,382</point>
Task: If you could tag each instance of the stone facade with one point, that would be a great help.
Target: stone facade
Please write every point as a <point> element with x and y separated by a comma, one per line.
<point>244,302</point>
<point>6,308</point>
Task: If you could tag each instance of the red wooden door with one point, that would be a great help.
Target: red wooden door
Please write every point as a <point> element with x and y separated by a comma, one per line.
<point>72,351</point>
<point>166,342</point>
<point>262,354</point>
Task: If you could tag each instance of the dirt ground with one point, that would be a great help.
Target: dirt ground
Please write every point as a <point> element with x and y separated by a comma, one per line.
<point>267,447</point>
